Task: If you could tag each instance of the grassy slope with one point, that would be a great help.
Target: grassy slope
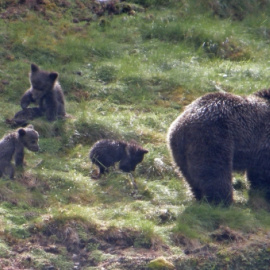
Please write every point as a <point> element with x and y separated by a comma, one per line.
<point>126,76</point>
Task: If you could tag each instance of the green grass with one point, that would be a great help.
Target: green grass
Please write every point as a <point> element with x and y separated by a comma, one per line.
<point>124,77</point>
<point>198,219</point>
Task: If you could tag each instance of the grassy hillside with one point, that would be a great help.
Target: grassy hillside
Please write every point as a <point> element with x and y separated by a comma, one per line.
<point>127,70</point>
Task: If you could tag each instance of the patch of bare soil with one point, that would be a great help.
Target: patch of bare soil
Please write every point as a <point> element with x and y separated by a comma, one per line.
<point>82,11</point>
<point>229,250</point>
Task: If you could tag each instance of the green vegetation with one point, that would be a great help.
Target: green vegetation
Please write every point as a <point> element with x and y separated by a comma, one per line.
<point>127,70</point>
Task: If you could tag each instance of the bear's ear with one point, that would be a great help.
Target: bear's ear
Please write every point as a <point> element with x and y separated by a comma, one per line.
<point>21,132</point>
<point>53,76</point>
<point>30,126</point>
<point>34,68</point>
<point>144,151</point>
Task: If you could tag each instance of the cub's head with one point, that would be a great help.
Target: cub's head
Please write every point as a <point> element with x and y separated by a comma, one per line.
<point>42,81</point>
<point>135,155</point>
<point>29,138</point>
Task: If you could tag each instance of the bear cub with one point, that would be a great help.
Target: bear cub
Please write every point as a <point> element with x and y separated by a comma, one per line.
<point>12,145</point>
<point>46,92</point>
<point>106,153</point>
<point>220,133</point>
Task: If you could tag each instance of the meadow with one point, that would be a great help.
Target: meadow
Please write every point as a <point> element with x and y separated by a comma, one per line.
<point>127,70</point>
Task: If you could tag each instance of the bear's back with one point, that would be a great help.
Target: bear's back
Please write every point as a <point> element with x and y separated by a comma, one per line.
<point>242,121</point>
<point>248,111</point>
<point>109,149</point>
<point>7,146</point>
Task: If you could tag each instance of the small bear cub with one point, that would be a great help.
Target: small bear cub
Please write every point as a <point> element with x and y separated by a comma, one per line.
<point>45,91</point>
<point>13,145</point>
<point>106,153</point>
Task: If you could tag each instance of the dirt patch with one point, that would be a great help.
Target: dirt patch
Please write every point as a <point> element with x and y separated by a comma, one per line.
<point>225,234</point>
<point>112,248</point>
<point>76,235</point>
<point>194,246</point>
<point>81,10</point>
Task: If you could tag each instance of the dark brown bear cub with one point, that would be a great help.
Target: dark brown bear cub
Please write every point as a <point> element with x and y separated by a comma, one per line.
<point>220,133</point>
<point>13,145</point>
<point>46,92</point>
<point>106,153</point>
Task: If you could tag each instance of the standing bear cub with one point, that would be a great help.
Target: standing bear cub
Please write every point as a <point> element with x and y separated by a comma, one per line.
<point>45,91</point>
<point>220,133</point>
<point>13,145</point>
<point>106,153</point>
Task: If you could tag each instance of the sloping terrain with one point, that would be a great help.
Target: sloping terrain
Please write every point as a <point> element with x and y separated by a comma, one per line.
<point>127,69</point>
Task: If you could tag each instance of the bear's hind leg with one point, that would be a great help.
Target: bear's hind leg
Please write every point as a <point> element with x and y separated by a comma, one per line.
<point>9,171</point>
<point>197,193</point>
<point>258,178</point>
<point>259,182</point>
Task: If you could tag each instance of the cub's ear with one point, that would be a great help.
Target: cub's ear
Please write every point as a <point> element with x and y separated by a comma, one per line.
<point>53,76</point>
<point>21,132</point>
<point>30,126</point>
<point>34,68</point>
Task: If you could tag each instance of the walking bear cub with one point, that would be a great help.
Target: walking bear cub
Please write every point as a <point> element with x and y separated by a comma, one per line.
<point>106,153</point>
<point>220,133</point>
<point>46,92</point>
<point>13,145</point>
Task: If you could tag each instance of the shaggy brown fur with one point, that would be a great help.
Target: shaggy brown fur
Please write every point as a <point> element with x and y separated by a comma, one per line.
<point>13,145</point>
<point>220,133</point>
<point>106,153</point>
<point>46,92</point>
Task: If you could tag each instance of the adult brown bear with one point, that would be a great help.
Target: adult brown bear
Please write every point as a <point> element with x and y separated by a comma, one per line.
<point>220,133</point>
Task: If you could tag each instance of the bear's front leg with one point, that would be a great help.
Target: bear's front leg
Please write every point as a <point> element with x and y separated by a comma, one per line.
<point>26,99</point>
<point>51,107</point>
<point>19,156</point>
